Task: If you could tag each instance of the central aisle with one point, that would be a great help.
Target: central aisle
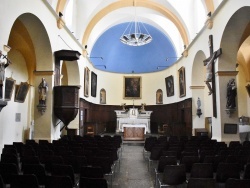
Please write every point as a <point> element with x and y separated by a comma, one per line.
<point>133,172</point>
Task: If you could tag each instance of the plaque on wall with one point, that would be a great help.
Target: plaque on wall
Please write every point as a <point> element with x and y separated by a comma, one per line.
<point>230,128</point>
<point>21,92</point>
<point>9,87</point>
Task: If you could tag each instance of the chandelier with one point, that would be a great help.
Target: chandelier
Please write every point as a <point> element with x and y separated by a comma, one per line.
<point>136,34</point>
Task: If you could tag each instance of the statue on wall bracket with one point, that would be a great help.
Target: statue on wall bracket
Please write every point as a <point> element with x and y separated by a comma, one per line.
<point>231,97</point>
<point>42,91</point>
<point>4,63</point>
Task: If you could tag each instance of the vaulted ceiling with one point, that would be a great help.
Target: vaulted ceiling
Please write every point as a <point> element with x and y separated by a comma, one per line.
<point>173,24</point>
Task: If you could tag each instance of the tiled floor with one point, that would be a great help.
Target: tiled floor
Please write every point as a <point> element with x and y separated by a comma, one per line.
<point>133,170</point>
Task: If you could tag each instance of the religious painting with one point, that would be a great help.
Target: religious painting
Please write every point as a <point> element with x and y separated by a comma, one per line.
<point>159,96</point>
<point>93,84</point>
<point>21,92</point>
<point>102,96</point>
<point>132,87</point>
<point>248,89</point>
<point>9,87</point>
<point>86,82</point>
<point>182,82</point>
<point>169,81</point>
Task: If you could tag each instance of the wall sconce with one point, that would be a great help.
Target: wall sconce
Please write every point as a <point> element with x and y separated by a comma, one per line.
<point>60,22</point>
<point>243,120</point>
<point>198,113</point>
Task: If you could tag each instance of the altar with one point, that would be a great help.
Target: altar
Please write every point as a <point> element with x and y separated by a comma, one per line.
<point>133,118</point>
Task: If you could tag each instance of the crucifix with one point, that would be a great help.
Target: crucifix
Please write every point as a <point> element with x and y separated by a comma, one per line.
<point>210,79</point>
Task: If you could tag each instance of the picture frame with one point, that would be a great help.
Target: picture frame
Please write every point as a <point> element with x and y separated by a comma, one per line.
<point>86,81</point>
<point>93,84</point>
<point>159,97</point>
<point>248,89</point>
<point>182,82</point>
<point>102,96</point>
<point>9,87</point>
<point>169,81</point>
<point>21,92</point>
<point>132,87</point>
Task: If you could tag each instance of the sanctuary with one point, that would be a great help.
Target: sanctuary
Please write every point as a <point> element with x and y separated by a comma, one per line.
<point>133,118</point>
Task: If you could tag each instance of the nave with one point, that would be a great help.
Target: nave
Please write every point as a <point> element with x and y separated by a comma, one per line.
<point>134,171</point>
<point>68,163</point>
<point>106,161</point>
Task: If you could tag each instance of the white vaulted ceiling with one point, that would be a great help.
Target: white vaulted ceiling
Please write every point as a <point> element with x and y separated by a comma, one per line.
<point>99,24</point>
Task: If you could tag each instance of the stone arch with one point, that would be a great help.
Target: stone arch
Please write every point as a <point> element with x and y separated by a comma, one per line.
<point>235,32</point>
<point>200,91</point>
<point>236,56</point>
<point>31,53</point>
<point>198,76</point>
<point>26,29</point>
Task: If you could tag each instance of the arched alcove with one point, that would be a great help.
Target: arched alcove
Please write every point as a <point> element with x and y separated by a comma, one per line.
<point>70,74</point>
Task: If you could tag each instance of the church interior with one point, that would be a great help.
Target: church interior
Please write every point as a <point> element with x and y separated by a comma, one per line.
<point>125,93</point>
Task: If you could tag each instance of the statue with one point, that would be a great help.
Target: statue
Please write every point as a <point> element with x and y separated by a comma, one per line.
<point>199,113</point>
<point>143,107</point>
<point>123,106</point>
<point>3,66</point>
<point>209,63</point>
<point>43,89</point>
<point>231,94</point>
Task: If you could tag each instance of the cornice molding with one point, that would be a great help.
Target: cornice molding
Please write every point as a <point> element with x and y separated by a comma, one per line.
<point>49,73</point>
<point>227,73</point>
<point>197,87</point>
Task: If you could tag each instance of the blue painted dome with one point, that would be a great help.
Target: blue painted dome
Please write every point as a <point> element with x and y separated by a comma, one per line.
<point>110,54</point>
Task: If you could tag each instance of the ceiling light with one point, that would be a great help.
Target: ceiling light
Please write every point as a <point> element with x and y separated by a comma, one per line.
<point>136,34</point>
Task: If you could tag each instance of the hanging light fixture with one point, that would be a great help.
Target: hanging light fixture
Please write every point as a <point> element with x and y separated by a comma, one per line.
<point>138,37</point>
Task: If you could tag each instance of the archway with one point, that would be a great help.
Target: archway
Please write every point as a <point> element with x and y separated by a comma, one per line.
<point>233,42</point>
<point>29,38</point>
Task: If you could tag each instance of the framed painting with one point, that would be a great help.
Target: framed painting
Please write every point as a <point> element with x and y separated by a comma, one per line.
<point>86,82</point>
<point>132,87</point>
<point>170,85</point>
<point>182,82</point>
<point>9,87</point>
<point>93,84</point>
<point>248,89</point>
<point>102,96</point>
<point>159,96</point>
<point>21,92</point>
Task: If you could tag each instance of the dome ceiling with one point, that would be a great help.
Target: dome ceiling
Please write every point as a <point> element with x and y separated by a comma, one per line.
<point>110,54</point>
